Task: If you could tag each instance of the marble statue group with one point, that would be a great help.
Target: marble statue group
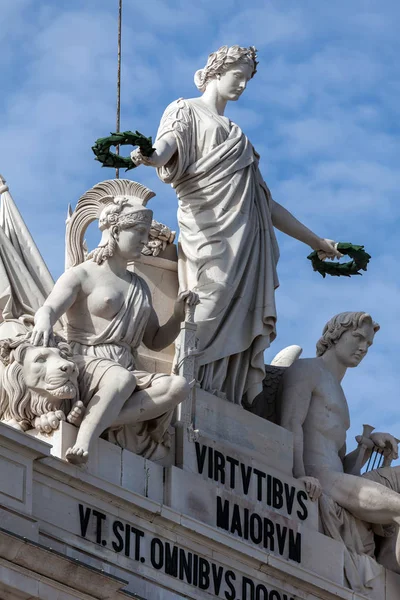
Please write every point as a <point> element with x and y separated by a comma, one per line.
<point>78,360</point>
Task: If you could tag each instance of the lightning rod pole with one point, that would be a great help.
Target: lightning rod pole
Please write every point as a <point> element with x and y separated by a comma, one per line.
<point>119,80</point>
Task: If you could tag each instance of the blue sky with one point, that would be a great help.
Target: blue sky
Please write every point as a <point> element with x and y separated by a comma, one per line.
<point>323,112</point>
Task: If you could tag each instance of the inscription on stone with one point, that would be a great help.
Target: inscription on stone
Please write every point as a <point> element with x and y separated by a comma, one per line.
<point>238,477</point>
<point>175,561</point>
<point>259,530</point>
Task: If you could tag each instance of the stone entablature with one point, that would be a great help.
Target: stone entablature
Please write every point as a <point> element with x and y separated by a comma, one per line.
<point>155,527</point>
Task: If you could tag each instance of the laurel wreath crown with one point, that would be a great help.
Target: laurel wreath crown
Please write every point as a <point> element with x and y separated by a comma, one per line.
<point>101,149</point>
<point>359,261</point>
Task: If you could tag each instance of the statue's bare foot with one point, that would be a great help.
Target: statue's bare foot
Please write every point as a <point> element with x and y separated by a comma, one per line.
<point>77,455</point>
<point>75,416</point>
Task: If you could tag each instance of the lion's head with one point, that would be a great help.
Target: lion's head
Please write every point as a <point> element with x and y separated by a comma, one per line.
<point>36,380</point>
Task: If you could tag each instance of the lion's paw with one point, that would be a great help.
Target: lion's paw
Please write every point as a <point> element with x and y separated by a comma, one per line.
<point>49,421</point>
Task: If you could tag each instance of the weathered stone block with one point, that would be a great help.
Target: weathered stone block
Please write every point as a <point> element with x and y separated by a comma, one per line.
<point>142,476</point>
<point>245,476</point>
<point>218,419</point>
<point>256,523</point>
<point>17,453</point>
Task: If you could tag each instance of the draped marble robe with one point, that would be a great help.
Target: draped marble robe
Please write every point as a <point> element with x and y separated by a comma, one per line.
<point>227,246</point>
<point>117,344</point>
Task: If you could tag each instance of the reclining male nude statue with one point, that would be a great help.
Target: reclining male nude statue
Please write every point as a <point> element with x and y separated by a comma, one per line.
<point>353,508</point>
<point>109,313</point>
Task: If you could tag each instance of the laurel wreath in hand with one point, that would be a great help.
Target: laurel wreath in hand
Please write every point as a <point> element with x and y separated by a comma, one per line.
<point>101,148</point>
<point>360,260</point>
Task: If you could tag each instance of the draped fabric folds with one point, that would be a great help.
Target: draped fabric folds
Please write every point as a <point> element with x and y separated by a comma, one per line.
<point>25,281</point>
<point>227,246</point>
<point>360,538</point>
<point>117,345</point>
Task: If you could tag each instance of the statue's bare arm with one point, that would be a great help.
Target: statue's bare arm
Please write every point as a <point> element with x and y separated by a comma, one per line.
<point>296,398</point>
<point>350,461</point>
<point>383,441</point>
<point>283,220</point>
<point>164,149</point>
<point>298,386</point>
<point>61,298</point>
<point>158,337</point>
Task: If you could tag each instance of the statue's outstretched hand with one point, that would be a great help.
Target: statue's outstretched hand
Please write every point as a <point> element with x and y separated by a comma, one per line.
<point>385,441</point>
<point>313,487</point>
<point>162,152</point>
<point>140,159</point>
<point>327,249</point>
<point>185,299</point>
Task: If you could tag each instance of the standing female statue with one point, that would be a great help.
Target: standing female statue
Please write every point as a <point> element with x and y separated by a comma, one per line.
<point>227,247</point>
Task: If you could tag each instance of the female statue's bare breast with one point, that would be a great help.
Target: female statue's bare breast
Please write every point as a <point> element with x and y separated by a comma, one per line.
<point>101,296</point>
<point>106,302</point>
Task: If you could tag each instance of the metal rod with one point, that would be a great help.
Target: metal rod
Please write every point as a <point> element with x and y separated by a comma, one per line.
<point>381,460</point>
<point>118,121</point>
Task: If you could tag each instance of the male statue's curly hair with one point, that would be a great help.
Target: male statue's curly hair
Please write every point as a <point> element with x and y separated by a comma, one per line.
<point>335,328</point>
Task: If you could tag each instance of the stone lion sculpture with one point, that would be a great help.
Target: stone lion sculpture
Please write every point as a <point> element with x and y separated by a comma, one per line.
<point>38,385</point>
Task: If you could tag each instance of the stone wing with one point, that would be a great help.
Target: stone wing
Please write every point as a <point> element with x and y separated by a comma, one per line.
<point>265,404</point>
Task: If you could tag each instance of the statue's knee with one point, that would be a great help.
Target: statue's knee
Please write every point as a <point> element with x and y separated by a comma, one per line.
<point>172,390</point>
<point>179,388</point>
<point>124,382</point>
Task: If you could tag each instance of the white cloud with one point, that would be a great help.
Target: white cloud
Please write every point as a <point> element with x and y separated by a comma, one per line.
<point>267,25</point>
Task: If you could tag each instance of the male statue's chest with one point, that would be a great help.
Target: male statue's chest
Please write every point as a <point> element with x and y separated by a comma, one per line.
<point>332,404</point>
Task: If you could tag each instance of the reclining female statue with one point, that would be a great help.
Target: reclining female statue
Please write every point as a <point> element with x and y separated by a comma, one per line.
<point>109,313</point>
<point>228,251</point>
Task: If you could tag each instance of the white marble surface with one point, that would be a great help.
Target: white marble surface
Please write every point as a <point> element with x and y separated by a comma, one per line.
<point>161,275</point>
<point>315,410</point>
<point>227,245</point>
<point>247,474</point>
<point>137,497</point>
<point>109,313</point>
<point>191,496</point>
<point>229,423</point>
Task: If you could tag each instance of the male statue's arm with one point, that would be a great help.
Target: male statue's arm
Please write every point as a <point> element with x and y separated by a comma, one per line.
<point>158,337</point>
<point>295,403</point>
<point>297,390</point>
<point>351,461</point>
<point>61,298</point>
<point>386,442</point>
